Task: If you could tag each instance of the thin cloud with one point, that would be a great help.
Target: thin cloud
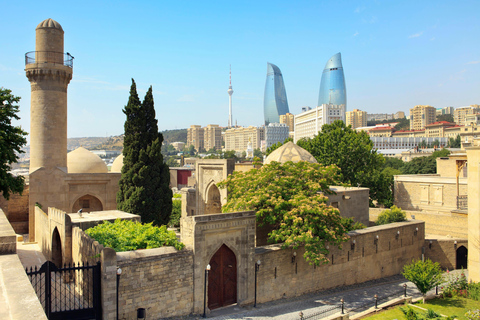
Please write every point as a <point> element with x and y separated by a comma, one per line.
<point>356,34</point>
<point>432,39</point>
<point>474,62</point>
<point>416,35</point>
<point>359,9</point>
<point>186,98</point>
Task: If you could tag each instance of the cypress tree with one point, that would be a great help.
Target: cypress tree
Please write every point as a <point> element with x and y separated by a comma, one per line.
<point>144,185</point>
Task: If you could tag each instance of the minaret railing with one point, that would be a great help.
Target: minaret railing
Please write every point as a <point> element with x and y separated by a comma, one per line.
<point>65,59</point>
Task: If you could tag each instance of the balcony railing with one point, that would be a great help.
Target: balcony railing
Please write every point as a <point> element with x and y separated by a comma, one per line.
<point>462,202</point>
<point>65,59</point>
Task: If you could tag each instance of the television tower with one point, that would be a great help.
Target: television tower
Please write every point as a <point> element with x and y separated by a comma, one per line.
<point>230,92</point>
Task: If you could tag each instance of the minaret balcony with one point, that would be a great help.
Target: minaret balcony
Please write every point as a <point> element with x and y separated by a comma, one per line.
<point>59,58</point>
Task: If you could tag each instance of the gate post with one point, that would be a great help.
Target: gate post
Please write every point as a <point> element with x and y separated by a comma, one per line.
<point>48,290</point>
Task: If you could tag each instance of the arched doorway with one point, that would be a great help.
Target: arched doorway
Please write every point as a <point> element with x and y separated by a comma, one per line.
<point>222,279</point>
<point>214,205</point>
<point>56,248</point>
<point>462,255</point>
<point>87,203</point>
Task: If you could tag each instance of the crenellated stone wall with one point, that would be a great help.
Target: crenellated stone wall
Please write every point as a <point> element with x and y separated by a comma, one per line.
<point>281,276</point>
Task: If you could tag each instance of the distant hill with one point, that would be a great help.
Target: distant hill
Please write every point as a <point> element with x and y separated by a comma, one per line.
<point>175,135</point>
<point>96,143</point>
<point>116,142</point>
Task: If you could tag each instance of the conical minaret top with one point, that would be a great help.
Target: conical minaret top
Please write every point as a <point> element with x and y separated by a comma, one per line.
<point>230,92</point>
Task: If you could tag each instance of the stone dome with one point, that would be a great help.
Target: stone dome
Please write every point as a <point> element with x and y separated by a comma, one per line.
<point>117,164</point>
<point>50,23</point>
<point>290,152</point>
<point>81,160</point>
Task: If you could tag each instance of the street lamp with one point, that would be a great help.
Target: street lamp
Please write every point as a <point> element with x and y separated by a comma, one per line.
<point>257,267</point>
<point>119,273</point>
<point>207,269</point>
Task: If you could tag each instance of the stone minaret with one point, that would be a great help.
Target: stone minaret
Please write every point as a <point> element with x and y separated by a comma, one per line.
<point>49,71</point>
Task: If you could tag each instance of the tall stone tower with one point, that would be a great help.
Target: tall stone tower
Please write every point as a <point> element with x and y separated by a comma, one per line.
<point>49,71</point>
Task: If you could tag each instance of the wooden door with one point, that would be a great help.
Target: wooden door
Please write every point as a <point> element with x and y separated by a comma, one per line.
<point>222,279</point>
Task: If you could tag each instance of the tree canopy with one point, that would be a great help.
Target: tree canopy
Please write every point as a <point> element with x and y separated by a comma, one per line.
<point>290,197</point>
<point>12,138</point>
<point>424,274</point>
<point>360,165</point>
<point>424,165</point>
<point>144,185</point>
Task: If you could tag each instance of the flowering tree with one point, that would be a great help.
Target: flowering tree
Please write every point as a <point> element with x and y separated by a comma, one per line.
<point>291,198</point>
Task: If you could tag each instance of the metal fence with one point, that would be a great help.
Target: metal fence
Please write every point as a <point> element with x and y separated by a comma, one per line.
<point>323,313</point>
<point>61,58</point>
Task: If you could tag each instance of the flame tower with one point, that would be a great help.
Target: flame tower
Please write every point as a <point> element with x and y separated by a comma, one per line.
<point>230,92</point>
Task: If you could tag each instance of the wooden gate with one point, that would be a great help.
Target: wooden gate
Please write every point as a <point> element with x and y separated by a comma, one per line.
<point>222,279</point>
<point>71,292</point>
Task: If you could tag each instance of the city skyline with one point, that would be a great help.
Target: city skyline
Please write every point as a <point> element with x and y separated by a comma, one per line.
<point>394,57</point>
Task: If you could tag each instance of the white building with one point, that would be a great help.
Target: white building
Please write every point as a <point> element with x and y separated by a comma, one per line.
<point>276,132</point>
<point>310,122</point>
<point>389,143</point>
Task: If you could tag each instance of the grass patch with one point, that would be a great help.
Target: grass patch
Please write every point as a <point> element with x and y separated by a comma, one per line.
<point>448,307</point>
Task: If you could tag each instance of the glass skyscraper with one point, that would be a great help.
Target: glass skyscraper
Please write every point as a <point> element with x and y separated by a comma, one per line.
<point>332,86</point>
<point>275,99</point>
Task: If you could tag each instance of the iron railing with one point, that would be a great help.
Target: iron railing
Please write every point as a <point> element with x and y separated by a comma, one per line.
<point>378,300</point>
<point>65,59</point>
<point>323,313</point>
<point>462,202</point>
<point>71,292</point>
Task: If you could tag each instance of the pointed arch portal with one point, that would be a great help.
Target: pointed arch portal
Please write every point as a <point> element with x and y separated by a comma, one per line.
<point>462,254</point>
<point>222,279</point>
<point>56,248</point>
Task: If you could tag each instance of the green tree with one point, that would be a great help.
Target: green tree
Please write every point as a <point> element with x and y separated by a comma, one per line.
<point>12,138</point>
<point>353,153</point>
<point>257,153</point>
<point>230,155</point>
<point>455,142</point>
<point>445,117</point>
<point>290,197</point>
<point>426,275</point>
<point>144,185</point>
<point>424,165</point>
<point>191,150</point>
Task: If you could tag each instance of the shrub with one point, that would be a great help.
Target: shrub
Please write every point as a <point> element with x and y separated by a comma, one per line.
<point>126,235</point>
<point>410,314</point>
<point>394,214</point>
<point>176,213</point>
<point>177,195</point>
<point>455,285</point>
<point>474,291</point>
<point>473,314</point>
<point>431,314</point>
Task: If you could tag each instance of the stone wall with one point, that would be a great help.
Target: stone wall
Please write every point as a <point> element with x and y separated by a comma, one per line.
<point>442,224</point>
<point>84,248</point>
<point>159,280</point>
<point>8,238</point>
<point>430,193</point>
<point>16,210</point>
<point>443,251</point>
<point>282,277</point>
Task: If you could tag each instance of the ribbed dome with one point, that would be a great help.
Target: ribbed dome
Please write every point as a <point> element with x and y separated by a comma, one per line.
<point>117,164</point>
<point>50,23</point>
<point>290,152</point>
<point>81,160</point>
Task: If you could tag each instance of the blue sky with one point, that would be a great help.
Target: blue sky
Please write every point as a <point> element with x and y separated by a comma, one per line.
<point>396,54</point>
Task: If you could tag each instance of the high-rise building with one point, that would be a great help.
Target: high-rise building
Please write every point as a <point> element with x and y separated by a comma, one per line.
<point>237,139</point>
<point>275,98</point>
<point>195,137</point>
<point>275,132</point>
<point>332,86</point>
<point>420,116</point>
<point>309,123</point>
<point>356,118</point>
<point>460,113</point>
<point>289,120</point>
<point>230,92</point>
<point>212,137</point>
<point>446,110</point>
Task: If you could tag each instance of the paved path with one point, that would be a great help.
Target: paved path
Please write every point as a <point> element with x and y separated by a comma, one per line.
<point>355,296</point>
